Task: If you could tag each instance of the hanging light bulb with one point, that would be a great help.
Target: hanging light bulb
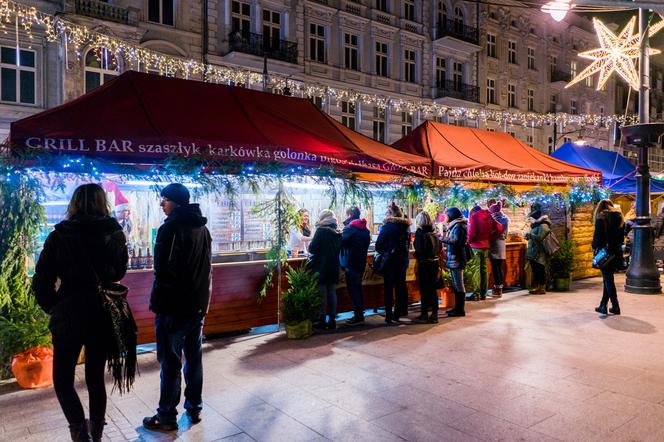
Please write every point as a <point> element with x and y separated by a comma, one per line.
<point>558,9</point>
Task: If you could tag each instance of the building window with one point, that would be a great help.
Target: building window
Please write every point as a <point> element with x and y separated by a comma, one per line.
<point>573,68</point>
<point>318,101</point>
<point>350,51</point>
<point>441,73</point>
<point>241,17</point>
<point>271,29</point>
<point>316,43</point>
<point>567,140</point>
<point>442,13</point>
<point>572,107</point>
<point>490,129</point>
<point>511,95</point>
<point>381,5</point>
<point>409,9</point>
<point>529,140</point>
<point>100,67</point>
<point>491,45</point>
<point>437,118</point>
<point>511,51</point>
<point>458,76</point>
<point>553,101</point>
<point>553,64</point>
<point>406,123</point>
<point>511,134</point>
<point>348,114</point>
<point>379,124</point>
<point>490,91</point>
<point>409,65</point>
<point>381,59</point>
<point>589,82</point>
<point>161,11</point>
<point>18,81</point>
<point>531,100</point>
<point>458,20</point>
<point>550,144</point>
<point>531,58</point>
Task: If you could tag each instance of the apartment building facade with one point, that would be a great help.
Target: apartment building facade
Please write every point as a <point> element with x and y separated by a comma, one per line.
<point>460,54</point>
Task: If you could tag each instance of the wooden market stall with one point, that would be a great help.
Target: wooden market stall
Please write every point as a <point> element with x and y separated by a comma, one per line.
<point>138,121</point>
<point>483,159</point>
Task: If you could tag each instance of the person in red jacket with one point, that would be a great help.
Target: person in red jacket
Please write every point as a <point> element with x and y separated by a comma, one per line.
<point>480,229</point>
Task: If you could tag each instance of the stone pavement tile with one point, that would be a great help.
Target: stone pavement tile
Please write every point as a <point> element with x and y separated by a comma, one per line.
<point>641,388</point>
<point>241,437</point>
<point>339,425</point>
<point>266,423</point>
<point>366,405</point>
<point>232,399</point>
<point>647,426</point>
<point>521,411</point>
<point>14,434</point>
<point>424,402</point>
<point>296,403</point>
<point>490,428</point>
<point>625,404</point>
<point>307,379</point>
<point>415,427</point>
<point>212,427</point>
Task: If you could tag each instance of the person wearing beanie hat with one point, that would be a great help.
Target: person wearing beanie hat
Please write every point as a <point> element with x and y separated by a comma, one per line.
<point>324,260</point>
<point>180,299</point>
<point>393,243</point>
<point>355,240</point>
<point>480,229</point>
<point>497,249</point>
<point>540,227</point>
<point>457,256</point>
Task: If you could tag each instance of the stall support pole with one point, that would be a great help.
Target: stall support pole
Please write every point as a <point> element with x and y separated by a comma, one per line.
<point>280,238</point>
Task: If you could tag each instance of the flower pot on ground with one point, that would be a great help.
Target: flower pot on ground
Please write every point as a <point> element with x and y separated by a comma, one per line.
<point>561,265</point>
<point>447,298</point>
<point>302,302</point>
<point>33,368</point>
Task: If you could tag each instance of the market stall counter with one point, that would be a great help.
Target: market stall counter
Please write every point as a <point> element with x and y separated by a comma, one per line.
<point>234,306</point>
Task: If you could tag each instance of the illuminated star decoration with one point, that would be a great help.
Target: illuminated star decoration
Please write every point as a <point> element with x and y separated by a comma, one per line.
<point>617,53</point>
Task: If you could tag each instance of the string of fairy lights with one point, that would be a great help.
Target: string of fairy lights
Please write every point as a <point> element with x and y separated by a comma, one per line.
<point>16,17</point>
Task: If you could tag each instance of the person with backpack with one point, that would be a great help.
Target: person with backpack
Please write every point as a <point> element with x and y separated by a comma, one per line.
<point>456,257</point>
<point>540,227</point>
<point>355,240</point>
<point>427,250</point>
<point>88,248</point>
<point>324,260</point>
<point>480,228</point>
<point>393,243</point>
<point>610,234</point>
<point>497,248</point>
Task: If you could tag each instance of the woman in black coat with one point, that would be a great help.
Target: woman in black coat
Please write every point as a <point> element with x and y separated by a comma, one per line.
<point>324,260</point>
<point>394,239</point>
<point>456,257</point>
<point>609,234</point>
<point>89,241</point>
<point>427,251</point>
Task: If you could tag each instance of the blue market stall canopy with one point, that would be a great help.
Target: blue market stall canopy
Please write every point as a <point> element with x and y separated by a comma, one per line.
<point>618,174</point>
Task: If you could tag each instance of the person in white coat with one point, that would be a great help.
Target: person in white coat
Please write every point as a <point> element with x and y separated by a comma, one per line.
<point>300,235</point>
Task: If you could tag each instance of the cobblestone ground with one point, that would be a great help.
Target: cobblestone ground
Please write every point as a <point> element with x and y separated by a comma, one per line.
<point>520,368</point>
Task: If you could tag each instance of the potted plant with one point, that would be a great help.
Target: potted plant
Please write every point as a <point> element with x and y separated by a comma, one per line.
<point>302,302</point>
<point>447,293</point>
<point>561,266</point>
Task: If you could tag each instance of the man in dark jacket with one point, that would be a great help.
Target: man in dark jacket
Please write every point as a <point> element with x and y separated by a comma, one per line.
<point>355,240</point>
<point>180,299</point>
<point>457,234</point>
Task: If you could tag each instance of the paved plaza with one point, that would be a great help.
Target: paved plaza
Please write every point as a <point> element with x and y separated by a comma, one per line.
<point>520,368</point>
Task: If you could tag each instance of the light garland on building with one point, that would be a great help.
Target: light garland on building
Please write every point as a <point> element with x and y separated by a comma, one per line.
<point>77,37</point>
<point>617,53</point>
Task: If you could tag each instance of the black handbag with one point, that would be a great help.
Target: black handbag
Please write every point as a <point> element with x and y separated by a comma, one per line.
<point>603,258</point>
<point>379,262</point>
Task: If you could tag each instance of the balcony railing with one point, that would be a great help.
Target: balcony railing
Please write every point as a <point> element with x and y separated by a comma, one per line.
<point>258,44</point>
<point>457,29</point>
<point>462,91</point>
<point>103,11</point>
<point>560,76</point>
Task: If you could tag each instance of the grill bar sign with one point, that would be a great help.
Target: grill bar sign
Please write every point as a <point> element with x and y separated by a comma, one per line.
<point>126,149</point>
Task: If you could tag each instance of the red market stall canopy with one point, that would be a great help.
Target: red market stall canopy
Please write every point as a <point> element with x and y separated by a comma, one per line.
<point>143,118</point>
<point>467,154</point>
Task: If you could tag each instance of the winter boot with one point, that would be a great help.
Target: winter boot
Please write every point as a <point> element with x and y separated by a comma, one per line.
<point>497,291</point>
<point>433,319</point>
<point>96,430</point>
<point>422,318</point>
<point>79,432</point>
<point>601,309</point>
<point>615,308</point>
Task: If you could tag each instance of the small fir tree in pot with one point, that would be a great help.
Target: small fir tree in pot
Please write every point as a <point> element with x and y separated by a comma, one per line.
<point>302,302</point>
<point>561,265</point>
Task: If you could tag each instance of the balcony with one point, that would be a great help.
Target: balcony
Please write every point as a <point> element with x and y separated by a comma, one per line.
<point>105,11</point>
<point>458,30</point>
<point>557,76</point>
<point>460,91</point>
<point>258,44</point>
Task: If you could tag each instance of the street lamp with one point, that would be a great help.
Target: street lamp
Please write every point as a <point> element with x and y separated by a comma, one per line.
<point>642,274</point>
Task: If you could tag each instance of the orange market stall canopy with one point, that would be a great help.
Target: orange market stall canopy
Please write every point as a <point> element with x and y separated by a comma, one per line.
<point>144,119</point>
<point>467,154</point>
